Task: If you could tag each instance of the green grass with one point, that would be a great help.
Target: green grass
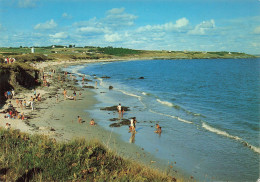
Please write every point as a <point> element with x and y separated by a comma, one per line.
<point>117,51</point>
<point>38,158</point>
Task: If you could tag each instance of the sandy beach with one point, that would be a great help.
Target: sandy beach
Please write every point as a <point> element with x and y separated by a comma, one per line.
<point>58,118</point>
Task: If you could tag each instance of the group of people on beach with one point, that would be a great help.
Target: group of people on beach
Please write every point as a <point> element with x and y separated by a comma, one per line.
<point>92,122</point>
<point>9,94</point>
<point>9,60</point>
<point>132,127</point>
<point>70,97</point>
<point>12,113</point>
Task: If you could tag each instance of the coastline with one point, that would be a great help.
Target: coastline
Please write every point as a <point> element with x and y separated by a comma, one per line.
<point>59,119</point>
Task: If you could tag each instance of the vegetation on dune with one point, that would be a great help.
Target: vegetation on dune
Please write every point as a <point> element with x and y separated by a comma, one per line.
<point>37,158</point>
<point>117,51</point>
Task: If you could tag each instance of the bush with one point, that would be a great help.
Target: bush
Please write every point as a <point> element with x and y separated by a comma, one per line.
<point>31,58</point>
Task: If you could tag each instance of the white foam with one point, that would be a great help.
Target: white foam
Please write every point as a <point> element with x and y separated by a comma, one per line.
<point>255,149</point>
<point>219,132</point>
<point>183,120</point>
<point>165,103</point>
<point>174,117</point>
<point>130,94</point>
<point>223,133</point>
<point>144,93</point>
<point>76,69</point>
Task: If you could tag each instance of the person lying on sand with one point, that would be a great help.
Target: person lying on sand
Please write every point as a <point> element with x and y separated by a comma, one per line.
<point>70,97</point>
<point>92,122</point>
<point>79,119</point>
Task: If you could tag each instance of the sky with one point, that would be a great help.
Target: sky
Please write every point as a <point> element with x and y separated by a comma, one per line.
<point>178,25</point>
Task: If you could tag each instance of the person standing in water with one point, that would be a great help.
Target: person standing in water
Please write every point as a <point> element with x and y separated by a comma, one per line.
<point>119,108</point>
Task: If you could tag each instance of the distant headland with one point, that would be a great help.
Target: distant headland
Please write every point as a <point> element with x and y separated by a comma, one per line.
<point>71,52</point>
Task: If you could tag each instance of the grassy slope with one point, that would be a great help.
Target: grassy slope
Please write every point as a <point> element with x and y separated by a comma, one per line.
<point>38,158</point>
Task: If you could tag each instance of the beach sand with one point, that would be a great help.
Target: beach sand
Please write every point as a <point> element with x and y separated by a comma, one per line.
<point>59,119</point>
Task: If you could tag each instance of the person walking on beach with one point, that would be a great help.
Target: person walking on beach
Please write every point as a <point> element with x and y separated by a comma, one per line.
<point>65,94</point>
<point>74,95</point>
<point>32,105</point>
<point>131,127</point>
<point>13,93</point>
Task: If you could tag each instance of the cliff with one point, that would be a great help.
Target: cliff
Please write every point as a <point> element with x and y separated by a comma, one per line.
<point>17,76</point>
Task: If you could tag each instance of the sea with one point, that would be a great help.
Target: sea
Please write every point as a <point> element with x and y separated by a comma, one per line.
<point>208,110</point>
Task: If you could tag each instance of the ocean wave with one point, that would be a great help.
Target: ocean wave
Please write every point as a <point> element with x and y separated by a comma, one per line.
<point>129,94</point>
<point>223,133</point>
<point>144,93</point>
<point>165,103</point>
<point>174,117</point>
<point>76,69</point>
<point>169,104</point>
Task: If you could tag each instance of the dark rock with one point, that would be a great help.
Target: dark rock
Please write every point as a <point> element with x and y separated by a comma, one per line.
<point>141,77</point>
<point>87,80</point>
<point>110,87</point>
<point>115,125</point>
<point>114,108</point>
<point>114,119</point>
<point>105,77</point>
<point>91,87</point>
<point>125,122</point>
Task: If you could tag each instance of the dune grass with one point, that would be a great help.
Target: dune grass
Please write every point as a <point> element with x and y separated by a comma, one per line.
<point>26,157</point>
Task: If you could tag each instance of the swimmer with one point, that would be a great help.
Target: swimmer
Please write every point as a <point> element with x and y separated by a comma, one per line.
<point>159,131</point>
<point>92,122</point>
<point>157,127</point>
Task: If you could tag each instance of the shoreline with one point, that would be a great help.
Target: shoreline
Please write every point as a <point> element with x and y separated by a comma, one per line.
<point>57,121</point>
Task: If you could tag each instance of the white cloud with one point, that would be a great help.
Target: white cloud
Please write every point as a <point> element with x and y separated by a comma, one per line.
<point>27,3</point>
<point>181,23</point>
<point>117,18</point>
<point>201,28</point>
<point>257,30</point>
<point>45,26</point>
<point>59,35</point>
<point>66,16</point>
<point>116,11</point>
<point>178,26</point>
<point>113,37</point>
<point>91,30</point>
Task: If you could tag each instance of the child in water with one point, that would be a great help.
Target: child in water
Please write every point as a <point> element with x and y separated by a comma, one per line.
<point>92,122</point>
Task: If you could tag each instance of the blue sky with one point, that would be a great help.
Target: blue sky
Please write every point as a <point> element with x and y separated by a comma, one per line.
<point>194,25</point>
